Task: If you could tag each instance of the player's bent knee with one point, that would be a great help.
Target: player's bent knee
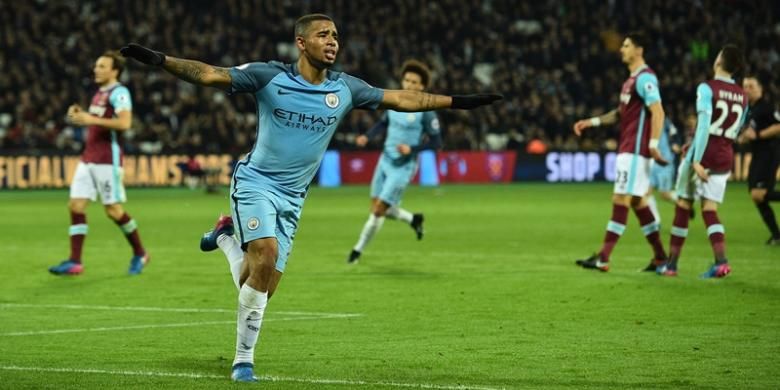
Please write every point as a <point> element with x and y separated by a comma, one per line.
<point>77,205</point>
<point>263,253</point>
<point>758,196</point>
<point>114,211</point>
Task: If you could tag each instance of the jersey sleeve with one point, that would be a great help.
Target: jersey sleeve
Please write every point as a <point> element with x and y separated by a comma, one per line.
<point>120,99</point>
<point>252,77</point>
<point>363,94</point>
<point>647,88</point>
<point>704,99</point>
<point>431,124</point>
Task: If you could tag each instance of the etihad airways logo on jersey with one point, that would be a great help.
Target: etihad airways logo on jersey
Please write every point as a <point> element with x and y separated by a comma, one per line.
<point>298,120</point>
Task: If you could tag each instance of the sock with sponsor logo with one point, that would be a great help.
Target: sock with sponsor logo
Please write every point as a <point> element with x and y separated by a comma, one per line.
<point>130,229</point>
<point>373,224</point>
<point>650,229</point>
<point>615,229</point>
<point>399,214</point>
<point>251,307</point>
<point>679,233</point>
<point>78,233</point>
<point>717,235</point>
<point>235,256</point>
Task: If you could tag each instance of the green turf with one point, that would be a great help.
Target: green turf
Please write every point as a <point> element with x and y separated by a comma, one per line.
<point>489,298</point>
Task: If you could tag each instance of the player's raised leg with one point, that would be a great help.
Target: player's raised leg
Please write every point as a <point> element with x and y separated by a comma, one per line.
<point>221,236</point>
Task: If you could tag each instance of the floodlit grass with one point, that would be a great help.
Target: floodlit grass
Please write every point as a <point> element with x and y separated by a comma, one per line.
<point>490,298</point>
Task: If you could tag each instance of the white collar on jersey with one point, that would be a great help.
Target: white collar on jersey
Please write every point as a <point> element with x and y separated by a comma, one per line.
<point>726,79</point>
<point>639,69</point>
<point>109,86</point>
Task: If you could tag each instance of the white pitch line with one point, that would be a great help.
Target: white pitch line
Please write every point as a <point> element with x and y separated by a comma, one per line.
<point>177,325</point>
<point>270,378</point>
<point>154,309</point>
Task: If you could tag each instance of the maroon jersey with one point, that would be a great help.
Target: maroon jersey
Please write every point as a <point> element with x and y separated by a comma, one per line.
<point>728,104</point>
<point>102,146</point>
<point>638,92</point>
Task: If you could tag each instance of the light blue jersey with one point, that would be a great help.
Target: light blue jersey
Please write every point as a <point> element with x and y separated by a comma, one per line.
<point>394,171</point>
<point>296,120</point>
<point>408,128</point>
<point>662,177</point>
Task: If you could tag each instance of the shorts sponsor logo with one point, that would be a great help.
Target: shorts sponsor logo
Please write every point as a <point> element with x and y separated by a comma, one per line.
<point>253,223</point>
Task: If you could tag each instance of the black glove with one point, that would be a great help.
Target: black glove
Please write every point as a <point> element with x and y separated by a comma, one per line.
<point>143,54</point>
<point>467,102</point>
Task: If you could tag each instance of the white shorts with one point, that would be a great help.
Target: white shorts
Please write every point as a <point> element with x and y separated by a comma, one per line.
<point>689,185</point>
<point>93,179</point>
<point>632,174</point>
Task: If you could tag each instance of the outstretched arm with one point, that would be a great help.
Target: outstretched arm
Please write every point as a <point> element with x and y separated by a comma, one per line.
<point>195,72</point>
<point>415,101</point>
<point>606,119</point>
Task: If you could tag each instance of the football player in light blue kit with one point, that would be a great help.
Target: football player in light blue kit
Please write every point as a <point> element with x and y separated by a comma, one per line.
<point>398,162</point>
<point>662,177</point>
<point>299,107</point>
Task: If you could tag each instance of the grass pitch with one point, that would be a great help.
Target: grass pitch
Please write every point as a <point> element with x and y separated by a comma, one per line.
<point>490,298</point>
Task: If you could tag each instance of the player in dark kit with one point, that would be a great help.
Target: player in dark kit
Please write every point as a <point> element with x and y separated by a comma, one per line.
<point>721,107</point>
<point>763,133</point>
<point>641,118</point>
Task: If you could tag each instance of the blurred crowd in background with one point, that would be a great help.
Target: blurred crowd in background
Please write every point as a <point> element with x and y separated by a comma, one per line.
<point>554,61</point>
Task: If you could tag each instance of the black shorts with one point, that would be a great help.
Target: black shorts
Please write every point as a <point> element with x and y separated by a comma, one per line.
<point>763,170</point>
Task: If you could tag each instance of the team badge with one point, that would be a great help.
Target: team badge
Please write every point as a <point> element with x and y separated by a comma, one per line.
<point>332,100</point>
<point>253,223</point>
<point>410,117</point>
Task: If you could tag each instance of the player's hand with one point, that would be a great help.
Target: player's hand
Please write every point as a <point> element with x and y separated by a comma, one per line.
<point>467,102</point>
<point>74,108</point>
<point>749,134</point>
<point>657,157</point>
<point>676,149</point>
<point>701,172</point>
<point>404,149</point>
<point>361,140</point>
<point>80,118</point>
<point>580,126</point>
<point>143,54</point>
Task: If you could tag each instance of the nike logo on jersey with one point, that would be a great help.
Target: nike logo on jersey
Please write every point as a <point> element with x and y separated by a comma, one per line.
<point>283,92</point>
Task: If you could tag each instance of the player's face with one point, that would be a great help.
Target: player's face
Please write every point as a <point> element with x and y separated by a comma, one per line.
<point>628,51</point>
<point>412,82</point>
<point>321,44</point>
<point>103,70</point>
<point>752,88</point>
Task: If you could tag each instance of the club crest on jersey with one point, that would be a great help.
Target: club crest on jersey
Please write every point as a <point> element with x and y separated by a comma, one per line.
<point>332,100</point>
<point>410,117</point>
<point>253,223</point>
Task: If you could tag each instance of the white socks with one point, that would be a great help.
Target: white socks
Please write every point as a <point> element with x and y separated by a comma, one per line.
<point>235,256</point>
<point>654,208</point>
<point>372,226</point>
<point>399,214</point>
<point>251,306</point>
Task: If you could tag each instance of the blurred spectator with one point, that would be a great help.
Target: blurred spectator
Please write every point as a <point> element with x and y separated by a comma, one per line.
<point>553,61</point>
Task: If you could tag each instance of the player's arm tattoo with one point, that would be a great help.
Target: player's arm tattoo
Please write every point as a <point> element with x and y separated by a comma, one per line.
<point>197,72</point>
<point>414,101</point>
